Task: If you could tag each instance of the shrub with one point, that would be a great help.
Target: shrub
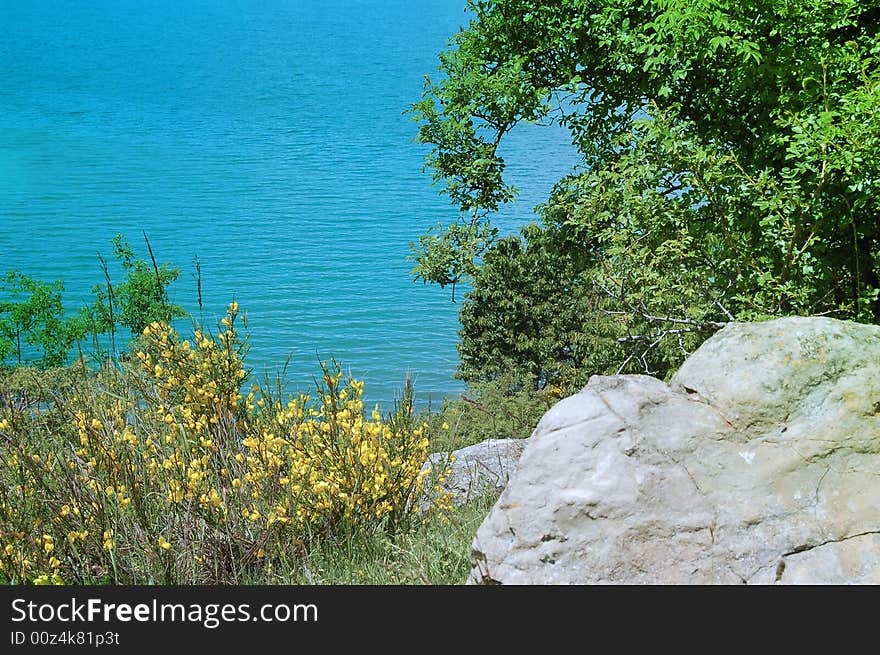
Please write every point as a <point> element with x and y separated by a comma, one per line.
<point>533,319</point>
<point>488,410</point>
<point>35,329</point>
<point>163,470</point>
<point>32,325</point>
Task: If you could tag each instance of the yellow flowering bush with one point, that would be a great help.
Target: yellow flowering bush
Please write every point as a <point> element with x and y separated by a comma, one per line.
<point>163,470</point>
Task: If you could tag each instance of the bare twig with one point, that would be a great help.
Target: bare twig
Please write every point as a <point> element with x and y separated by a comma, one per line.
<point>645,343</point>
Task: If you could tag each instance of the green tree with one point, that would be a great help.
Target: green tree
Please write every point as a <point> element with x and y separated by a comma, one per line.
<point>135,302</point>
<point>730,153</point>
<point>523,320</point>
<point>33,329</point>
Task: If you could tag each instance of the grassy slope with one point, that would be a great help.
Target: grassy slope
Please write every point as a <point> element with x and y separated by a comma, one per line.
<point>436,552</point>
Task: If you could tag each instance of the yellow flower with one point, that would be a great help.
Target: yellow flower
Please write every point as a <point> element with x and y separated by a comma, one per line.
<point>163,544</point>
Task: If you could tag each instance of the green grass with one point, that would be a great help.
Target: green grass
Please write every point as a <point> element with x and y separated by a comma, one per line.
<point>436,552</point>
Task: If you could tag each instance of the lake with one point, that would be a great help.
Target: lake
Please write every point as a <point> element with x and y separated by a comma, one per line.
<point>266,138</point>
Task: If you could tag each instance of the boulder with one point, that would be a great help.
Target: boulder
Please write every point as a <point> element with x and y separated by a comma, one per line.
<point>475,470</point>
<point>759,462</point>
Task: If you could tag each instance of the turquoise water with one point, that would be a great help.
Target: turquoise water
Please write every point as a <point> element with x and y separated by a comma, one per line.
<point>266,138</point>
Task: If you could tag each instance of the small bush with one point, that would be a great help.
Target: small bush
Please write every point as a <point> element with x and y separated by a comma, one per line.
<point>489,410</point>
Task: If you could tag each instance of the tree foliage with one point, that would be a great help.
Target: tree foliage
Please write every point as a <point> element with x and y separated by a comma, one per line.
<point>32,317</point>
<point>523,320</point>
<point>730,152</point>
<point>139,299</point>
<point>36,330</point>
